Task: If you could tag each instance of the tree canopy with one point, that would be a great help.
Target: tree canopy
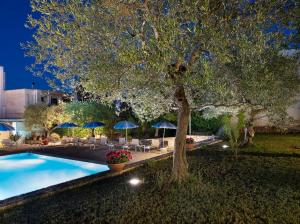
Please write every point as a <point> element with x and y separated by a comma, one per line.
<point>159,56</point>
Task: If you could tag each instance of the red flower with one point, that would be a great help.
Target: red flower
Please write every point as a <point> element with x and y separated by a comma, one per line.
<point>119,156</point>
<point>189,140</point>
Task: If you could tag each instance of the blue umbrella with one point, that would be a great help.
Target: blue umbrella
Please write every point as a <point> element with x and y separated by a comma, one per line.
<point>93,125</point>
<point>125,125</point>
<point>6,127</point>
<point>165,125</point>
<point>67,125</point>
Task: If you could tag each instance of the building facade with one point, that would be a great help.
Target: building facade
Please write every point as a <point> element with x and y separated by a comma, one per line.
<point>14,102</point>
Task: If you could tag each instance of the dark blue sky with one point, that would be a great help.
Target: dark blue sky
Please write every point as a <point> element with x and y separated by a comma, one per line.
<point>13,14</point>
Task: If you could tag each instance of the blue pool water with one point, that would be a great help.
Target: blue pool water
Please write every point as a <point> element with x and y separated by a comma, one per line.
<point>26,172</point>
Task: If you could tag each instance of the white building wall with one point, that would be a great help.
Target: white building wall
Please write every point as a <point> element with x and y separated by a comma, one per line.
<point>15,103</point>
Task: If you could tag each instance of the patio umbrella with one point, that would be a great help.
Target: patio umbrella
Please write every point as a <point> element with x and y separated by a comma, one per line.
<point>93,125</point>
<point>125,125</point>
<point>67,125</point>
<point>6,127</point>
<point>165,125</point>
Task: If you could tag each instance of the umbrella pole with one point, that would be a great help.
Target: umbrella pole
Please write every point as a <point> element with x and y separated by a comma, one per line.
<point>126,136</point>
<point>164,138</point>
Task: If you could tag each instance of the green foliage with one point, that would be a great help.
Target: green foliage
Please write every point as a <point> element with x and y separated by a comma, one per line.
<point>141,54</point>
<point>82,112</point>
<point>199,123</point>
<point>254,189</point>
<point>279,144</point>
<point>233,129</point>
<point>43,117</point>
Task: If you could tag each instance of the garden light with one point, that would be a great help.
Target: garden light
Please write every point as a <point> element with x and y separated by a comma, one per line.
<point>225,146</point>
<point>135,181</point>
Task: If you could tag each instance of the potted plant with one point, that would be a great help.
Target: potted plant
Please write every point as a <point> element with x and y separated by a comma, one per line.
<point>45,141</point>
<point>189,143</point>
<point>116,159</point>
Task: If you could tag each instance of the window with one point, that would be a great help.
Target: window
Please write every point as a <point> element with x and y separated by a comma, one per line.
<point>54,101</point>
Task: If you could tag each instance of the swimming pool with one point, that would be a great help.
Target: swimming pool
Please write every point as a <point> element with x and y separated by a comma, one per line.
<point>26,172</point>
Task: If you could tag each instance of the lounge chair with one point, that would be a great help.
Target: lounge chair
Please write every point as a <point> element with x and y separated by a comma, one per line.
<point>122,141</point>
<point>135,144</point>
<point>7,143</point>
<point>92,142</point>
<point>155,144</point>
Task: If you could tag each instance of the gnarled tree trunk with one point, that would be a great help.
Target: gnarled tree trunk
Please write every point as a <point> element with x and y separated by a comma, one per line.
<point>180,165</point>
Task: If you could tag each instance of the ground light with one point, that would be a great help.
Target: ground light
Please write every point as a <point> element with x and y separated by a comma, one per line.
<point>225,146</point>
<point>134,181</point>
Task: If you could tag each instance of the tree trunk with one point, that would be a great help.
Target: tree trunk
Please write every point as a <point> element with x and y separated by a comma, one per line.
<point>250,127</point>
<point>180,165</point>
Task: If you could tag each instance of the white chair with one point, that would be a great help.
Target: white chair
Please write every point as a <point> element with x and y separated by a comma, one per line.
<point>92,142</point>
<point>103,141</point>
<point>155,144</point>
<point>122,141</point>
<point>135,143</point>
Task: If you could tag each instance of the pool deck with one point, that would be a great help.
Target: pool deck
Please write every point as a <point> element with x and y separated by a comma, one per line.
<point>97,155</point>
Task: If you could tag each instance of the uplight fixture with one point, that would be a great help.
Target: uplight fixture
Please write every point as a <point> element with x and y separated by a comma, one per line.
<point>135,181</point>
<point>225,146</point>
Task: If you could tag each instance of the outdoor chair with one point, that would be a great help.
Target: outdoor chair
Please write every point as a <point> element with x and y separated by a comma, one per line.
<point>7,143</point>
<point>91,142</point>
<point>123,144</point>
<point>65,140</point>
<point>155,144</point>
<point>20,141</point>
<point>122,141</point>
<point>103,141</point>
<point>135,144</point>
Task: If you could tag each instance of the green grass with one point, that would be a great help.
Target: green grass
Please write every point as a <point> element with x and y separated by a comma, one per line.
<point>278,144</point>
<point>220,189</point>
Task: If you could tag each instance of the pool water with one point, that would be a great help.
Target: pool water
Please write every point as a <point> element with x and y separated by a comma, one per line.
<point>26,172</point>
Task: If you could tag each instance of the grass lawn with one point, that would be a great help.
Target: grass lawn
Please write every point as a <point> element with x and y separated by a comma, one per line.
<point>256,188</point>
<point>275,144</point>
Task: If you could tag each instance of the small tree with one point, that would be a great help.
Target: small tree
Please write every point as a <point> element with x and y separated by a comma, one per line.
<point>42,116</point>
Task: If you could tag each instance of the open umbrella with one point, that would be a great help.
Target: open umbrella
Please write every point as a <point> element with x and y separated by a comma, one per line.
<point>6,127</point>
<point>93,125</point>
<point>125,125</point>
<point>67,125</point>
<point>165,125</point>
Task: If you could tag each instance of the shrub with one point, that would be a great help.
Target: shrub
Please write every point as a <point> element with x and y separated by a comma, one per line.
<point>199,123</point>
<point>54,137</point>
<point>120,156</point>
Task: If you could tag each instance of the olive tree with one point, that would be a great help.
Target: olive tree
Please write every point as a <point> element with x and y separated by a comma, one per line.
<point>159,56</point>
<point>43,117</point>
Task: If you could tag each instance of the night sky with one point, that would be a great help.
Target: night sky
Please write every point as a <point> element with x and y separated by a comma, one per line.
<point>13,14</point>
